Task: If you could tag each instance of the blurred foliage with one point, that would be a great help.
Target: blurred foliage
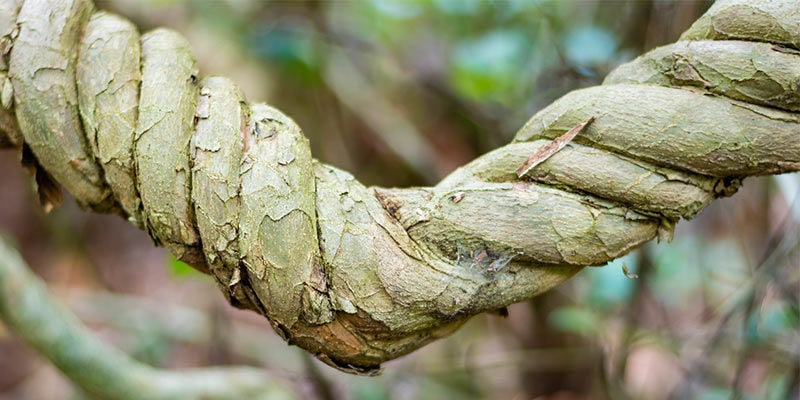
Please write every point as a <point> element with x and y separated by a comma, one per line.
<point>180,269</point>
<point>465,74</point>
<point>401,92</point>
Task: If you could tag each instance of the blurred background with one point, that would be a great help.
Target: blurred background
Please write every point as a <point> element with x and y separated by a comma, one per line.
<point>400,93</point>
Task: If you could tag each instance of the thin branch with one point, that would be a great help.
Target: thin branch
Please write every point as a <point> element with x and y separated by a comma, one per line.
<point>102,370</point>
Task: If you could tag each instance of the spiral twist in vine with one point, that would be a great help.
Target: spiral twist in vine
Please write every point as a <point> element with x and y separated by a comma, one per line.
<point>360,275</point>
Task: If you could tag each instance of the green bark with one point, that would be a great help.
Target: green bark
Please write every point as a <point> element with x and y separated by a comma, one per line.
<point>728,138</point>
<point>216,151</point>
<point>656,191</point>
<point>42,70</point>
<point>9,130</point>
<point>758,73</point>
<point>168,98</point>
<point>278,228</point>
<point>108,77</point>
<point>360,275</point>
<point>772,21</point>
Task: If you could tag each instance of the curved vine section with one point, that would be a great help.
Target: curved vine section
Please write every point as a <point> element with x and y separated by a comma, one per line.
<point>359,275</point>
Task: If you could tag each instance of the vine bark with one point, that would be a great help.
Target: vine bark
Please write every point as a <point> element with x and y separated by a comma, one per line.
<point>359,275</point>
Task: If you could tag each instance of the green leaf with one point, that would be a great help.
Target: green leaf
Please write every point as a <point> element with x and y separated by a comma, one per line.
<point>485,68</point>
<point>575,320</point>
<point>182,270</point>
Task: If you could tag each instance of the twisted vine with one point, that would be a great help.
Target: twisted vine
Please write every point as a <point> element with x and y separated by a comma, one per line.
<point>359,275</point>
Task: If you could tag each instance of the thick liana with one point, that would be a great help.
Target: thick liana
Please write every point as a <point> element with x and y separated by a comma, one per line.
<point>359,275</point>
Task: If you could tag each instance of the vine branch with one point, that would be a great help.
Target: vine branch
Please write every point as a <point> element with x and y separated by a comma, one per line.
<point>359,275</point>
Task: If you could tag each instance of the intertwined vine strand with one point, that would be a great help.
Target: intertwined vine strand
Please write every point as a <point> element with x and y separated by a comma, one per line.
<point>361,275</point>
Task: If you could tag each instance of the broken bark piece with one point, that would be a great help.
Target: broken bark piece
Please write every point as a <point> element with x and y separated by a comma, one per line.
<point>547,151</point>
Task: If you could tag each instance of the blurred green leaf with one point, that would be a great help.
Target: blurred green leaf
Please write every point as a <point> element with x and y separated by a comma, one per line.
<point>370,390</point>
<point>676,275</point>
<point>752,332</point>
<point>396,8</point>
<point>485,68</point>
<point>776,388</point>
<point>457,384</point>
<point>182,270</point>
<point>294,48</point>
<point>609,286</point>
<point>458,7</point>
<point>589,45</point>
<point>575,320</point>
<point>776,320</point>
<point>715,394</point>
